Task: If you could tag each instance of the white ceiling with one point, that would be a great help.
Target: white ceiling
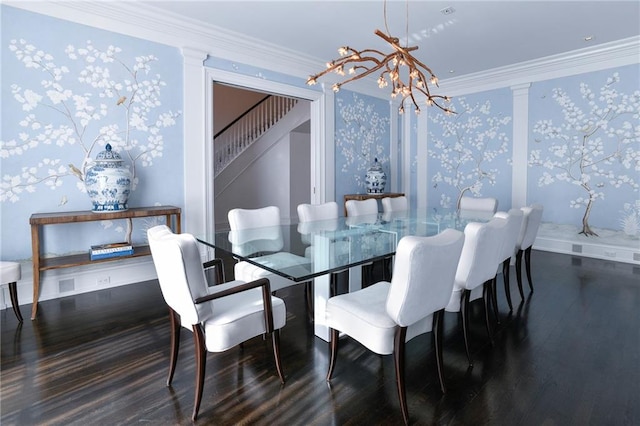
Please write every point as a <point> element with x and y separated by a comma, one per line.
<point>478,35</point>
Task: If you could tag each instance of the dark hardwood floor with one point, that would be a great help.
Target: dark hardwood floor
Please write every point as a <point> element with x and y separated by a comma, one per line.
<point>568,355</point>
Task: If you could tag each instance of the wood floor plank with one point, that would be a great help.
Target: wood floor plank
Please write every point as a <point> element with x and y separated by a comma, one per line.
<point>567,355</point>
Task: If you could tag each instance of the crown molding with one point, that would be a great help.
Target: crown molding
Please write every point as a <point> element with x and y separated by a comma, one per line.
<point>603,56</point>
<point>150,23</point>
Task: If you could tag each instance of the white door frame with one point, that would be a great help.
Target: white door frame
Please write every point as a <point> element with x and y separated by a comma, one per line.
<point>321,161</point>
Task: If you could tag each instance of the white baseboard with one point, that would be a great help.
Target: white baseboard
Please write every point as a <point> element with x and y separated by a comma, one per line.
<point>598,251</point>
<point>81,279</point>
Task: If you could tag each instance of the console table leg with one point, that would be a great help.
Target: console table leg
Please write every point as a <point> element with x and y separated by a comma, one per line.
<point>35,253</point>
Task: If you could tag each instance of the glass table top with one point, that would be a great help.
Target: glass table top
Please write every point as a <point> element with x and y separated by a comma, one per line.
<point>307,250</point>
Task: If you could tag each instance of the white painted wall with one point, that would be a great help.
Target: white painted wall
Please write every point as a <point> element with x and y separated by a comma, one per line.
<point>299,163</point>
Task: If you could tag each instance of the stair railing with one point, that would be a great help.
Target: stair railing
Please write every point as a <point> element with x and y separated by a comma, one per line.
<point>247,128</point>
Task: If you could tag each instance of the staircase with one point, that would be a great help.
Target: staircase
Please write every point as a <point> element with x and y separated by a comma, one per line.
<point>234,139</point>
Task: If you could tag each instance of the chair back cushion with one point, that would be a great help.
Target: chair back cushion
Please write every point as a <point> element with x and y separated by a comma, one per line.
<point>486,204</point>
<point>393,204</point>
<point>514,223</point>
<point>316,218</point>
<point>361,207</point>
<point>479,258</point>
<point>253,218</point>
<point>312,212</point>
<point>255,230</point>
<point>423,276</point>
<point>179,268</point>
<point>531,223</point>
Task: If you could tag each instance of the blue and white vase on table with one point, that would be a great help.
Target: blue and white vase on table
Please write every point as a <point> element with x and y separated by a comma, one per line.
<point>108,182</point>
<point>375,179</point>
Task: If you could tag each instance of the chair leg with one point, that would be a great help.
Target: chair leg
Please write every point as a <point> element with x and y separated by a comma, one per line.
<point>398,355</point>
<point>201,359</point>
<point>527,264</point>
<point>334,335</point>
<point>464,310</point>
<point>486,294</point>
<point>505,276</point>
<point>519,272</point>
<point>275,337</point>
<point>494,298</point>
<point>13,293</point>
<point>175,343</point>
<point>437,344</point>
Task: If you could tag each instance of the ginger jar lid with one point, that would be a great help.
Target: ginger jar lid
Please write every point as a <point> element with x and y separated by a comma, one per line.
<point>108,155</point>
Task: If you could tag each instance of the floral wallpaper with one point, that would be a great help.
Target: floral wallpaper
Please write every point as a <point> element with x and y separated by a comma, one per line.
<point>66,93</point>
<point>584,151</point>
<point>362,135</point>
<point>470,151</point>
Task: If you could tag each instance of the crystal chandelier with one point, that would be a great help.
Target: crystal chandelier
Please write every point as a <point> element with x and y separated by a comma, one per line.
<point>407,75</point>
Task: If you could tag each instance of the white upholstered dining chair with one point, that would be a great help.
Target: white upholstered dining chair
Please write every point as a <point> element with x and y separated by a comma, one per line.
<point>366,207</point>
<point>394,204</point>
<point>366,211</point>
<point>220,316</point>
<point>530,224</point>
<point>514,219</point>
<point>478,204</point>
<point>316,218</point>
<point>257,231</point>
<point>385,315</point>
<point>476,272</point>
<point>10,274</point>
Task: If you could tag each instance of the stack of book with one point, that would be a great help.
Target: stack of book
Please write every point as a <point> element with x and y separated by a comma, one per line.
<point>105,251</point>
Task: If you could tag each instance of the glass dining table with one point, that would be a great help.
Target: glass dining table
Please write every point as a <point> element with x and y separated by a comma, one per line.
<point>313,250</point>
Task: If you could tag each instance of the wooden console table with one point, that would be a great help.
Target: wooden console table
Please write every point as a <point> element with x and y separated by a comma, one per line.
<point>375,196</point>
<point>38,220</point>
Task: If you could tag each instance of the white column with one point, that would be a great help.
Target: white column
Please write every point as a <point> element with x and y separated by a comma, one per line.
<point>197,150</point>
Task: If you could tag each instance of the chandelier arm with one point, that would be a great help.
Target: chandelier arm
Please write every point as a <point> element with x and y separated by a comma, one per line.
<point>364,74</point>
<point>432,100</point>
<point>344,61</point>
<point>426,68</point>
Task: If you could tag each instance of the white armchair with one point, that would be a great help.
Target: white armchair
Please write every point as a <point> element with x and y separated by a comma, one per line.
<point>241,310</point>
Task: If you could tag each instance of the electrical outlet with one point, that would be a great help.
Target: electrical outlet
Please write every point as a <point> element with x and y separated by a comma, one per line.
<point>103,280</point>
<point>66,285</point>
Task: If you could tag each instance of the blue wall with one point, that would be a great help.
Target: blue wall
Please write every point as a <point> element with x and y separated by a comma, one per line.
<point>362,136</point>
<point>470,151</point>
<point>584,143</point>
<point>61,87</point>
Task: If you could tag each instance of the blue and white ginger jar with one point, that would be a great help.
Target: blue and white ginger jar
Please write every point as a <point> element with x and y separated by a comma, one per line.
<point>375,179</point>
<point>108,182</point>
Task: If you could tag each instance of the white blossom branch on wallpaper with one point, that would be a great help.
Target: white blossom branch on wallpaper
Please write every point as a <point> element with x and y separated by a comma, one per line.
<point>359,140</point>
<point>465,145</point>
<point>593,148</point>
<point>107,101</point>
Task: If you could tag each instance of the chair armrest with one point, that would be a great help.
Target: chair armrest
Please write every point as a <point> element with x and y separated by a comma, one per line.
<point>266,297</point>
<point>219,269</point>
